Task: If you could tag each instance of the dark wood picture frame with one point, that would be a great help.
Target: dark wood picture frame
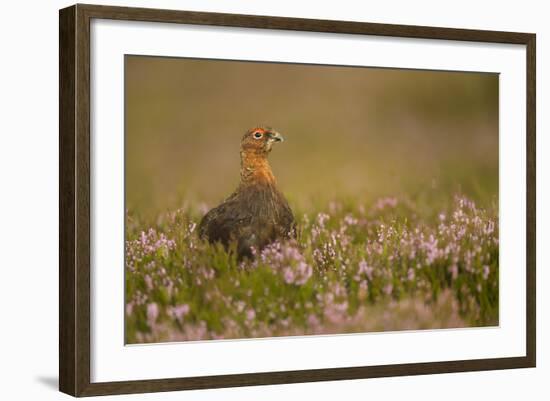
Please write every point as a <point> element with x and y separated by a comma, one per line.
<point>74,199</point>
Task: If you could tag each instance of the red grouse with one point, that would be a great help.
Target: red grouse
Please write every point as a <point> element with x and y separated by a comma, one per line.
<point>256,214</point>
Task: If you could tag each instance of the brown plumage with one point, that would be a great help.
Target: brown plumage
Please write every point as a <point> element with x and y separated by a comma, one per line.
<point>256,214</point>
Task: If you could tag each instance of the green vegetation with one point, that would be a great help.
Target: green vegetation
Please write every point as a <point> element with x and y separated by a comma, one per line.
<point>352,268</point>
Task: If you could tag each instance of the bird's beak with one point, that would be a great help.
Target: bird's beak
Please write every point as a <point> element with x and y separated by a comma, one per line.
<point>275,136</point>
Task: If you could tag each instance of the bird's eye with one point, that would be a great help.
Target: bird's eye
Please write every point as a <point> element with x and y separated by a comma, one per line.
<point>257,135</point>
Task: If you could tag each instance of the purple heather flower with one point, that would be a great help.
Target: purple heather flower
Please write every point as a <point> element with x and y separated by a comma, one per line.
<point>250,314</point>
<point>486,271</point>
<point>152,313</point>
<point>388,289</point>
<point>288,275</point>
<point>148,282</point>
<point>181,310</point>
<point>386,202</point>
<point>240,306</point>
<point>365,269</point>
<point>313,320</point>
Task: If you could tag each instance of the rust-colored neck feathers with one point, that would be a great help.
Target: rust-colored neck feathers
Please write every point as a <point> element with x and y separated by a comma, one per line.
<point>255,168</point>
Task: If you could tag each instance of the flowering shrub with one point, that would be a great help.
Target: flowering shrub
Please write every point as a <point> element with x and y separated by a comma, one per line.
<point>350,269</point>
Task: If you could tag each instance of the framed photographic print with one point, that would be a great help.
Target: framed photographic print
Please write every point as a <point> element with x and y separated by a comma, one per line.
<point>251,200</point>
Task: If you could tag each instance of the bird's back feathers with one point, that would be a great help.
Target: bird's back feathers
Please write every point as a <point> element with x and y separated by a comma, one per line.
<point>253,216</point>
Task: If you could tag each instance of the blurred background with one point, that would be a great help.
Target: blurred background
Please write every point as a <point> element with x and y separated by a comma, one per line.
<point>351,133</point>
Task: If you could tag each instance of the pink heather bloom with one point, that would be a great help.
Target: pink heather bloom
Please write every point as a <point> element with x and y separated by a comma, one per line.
<point>240,306</point>
<point>148,282</point>
<point>388,289</point>
<point>288,275</point>
<point>250,314</point>
<point>322,219</point>
<point>486,271</point>
<point>313,320</point>
<point>350,220</point>
<point>287,260</point>
<point>489,228</point>
<point>152,313</point>
<point>147,244</point>
<point>304,272</point>
<point>180,311</point>
<point>454,271</point>
<point>336,312</point>
<point>365,269</point>
<point>207,273</point>
<point>386,202</point>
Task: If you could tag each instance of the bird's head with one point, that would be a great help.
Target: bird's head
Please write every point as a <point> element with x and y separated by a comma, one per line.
<point>260,140</point>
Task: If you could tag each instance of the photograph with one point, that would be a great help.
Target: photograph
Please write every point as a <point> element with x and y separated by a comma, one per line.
<point>258,199</point>
<point>270,199</point>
